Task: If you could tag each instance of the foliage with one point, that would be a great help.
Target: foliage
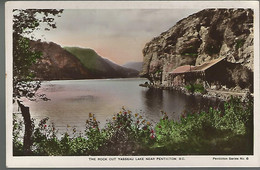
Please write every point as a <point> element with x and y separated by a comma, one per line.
<point>212,132</point>
<point>195,88</point>
<point>46,141</point>
<point>239,43</point>
<point>17,136</point>
<point>213,47</point>
<point>190,54</point>
<point>191,50</point>
<point>25,21</point>
<point>159,71</point>
<point>23,59</point>
<point>127,134</point>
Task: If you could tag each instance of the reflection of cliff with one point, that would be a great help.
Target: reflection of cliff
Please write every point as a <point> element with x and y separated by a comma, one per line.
<point>175,103</point>
<point>201,38</point>
<point>153,99</point>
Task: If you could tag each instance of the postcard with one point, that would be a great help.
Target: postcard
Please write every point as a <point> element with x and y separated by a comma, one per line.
<point>132,84</point>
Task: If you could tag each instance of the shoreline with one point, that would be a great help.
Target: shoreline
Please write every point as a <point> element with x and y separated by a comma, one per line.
<point>56,80</point>
<point>222,95</point>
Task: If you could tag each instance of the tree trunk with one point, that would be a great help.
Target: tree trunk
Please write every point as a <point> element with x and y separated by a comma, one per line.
<point>27,140</point>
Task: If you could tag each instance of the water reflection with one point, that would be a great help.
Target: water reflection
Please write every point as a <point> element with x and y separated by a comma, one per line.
<point>153,99</point>
<point>72,100</point>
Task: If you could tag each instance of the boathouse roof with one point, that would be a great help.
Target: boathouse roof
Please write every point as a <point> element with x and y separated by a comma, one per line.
<point>200,68</point>
<point>182,69</point>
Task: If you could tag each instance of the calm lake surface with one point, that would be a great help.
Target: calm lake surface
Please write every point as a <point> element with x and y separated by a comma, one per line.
<point>73,100</point>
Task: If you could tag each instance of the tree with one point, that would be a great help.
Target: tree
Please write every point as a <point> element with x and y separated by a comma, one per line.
<point>25,22</point>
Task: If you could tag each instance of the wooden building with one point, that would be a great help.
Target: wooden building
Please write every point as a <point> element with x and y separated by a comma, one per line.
<point>209,73</point>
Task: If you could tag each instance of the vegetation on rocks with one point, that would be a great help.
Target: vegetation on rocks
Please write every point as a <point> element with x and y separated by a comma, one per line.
<point>195,88</point>
<point>229,131</point>
<point>239,43</point>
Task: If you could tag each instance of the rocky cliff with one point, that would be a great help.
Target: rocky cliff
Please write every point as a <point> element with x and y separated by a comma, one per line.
<point>56,63</point>
<point>199,38</point>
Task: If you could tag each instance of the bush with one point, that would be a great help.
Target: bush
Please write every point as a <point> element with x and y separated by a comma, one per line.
<point>17,136</point>
<point>127,134</point>
<point>212,132</point>
<point>195,88</point>
<point>239,43</point>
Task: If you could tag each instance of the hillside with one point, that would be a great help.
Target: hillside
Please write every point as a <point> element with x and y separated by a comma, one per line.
<point>59,63</point>
<point>200,38</point>
<point>99,66</point>
<point>56,63</point>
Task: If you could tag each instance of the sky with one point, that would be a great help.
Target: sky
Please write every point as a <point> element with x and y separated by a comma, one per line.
<point>116,34</point>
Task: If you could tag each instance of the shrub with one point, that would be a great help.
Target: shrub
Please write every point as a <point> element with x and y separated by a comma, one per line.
<point>213,132</point>
<point>239,43</point>
<point>212,48</point>
<point>191,50</point>
<point>127,134</point>
<point>195,88</point>
<point>17,136</point>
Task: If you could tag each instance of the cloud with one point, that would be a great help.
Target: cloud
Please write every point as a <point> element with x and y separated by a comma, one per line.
<point>126,22</point>
<point>104,30</point>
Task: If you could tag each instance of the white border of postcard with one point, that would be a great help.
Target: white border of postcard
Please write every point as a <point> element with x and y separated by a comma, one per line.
<point>129,161</point>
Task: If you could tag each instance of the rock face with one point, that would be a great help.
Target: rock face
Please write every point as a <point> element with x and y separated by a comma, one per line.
<point>56,63</point>
<point>199,38</point>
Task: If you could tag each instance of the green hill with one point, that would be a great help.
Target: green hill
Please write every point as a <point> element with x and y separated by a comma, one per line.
<point>88,57</point>
<point>99,66</point>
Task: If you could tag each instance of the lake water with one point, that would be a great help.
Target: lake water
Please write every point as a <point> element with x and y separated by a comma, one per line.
<point>73,100</point>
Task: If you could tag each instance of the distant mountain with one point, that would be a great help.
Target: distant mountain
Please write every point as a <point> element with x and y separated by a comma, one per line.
<point>134,65</point>
<point>59,63</point>
<point>99,66</point>
<point>56,63</point>
<point>130,72</point>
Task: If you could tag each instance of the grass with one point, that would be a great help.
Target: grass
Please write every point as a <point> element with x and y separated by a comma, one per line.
<point>215,132</point>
